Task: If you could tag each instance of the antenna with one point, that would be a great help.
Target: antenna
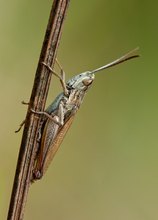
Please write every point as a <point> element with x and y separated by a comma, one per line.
<point>122,59</point>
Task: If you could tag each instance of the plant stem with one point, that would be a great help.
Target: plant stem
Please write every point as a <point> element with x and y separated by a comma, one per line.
<point>37,102</point>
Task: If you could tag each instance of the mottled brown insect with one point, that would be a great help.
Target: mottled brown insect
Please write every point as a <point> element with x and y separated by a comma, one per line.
<point>58,117</point>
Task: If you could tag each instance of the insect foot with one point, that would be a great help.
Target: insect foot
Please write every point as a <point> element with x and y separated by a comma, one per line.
<point>25,103</point>
<point>20,126</point>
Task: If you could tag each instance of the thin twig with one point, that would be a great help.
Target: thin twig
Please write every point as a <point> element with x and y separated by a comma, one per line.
<point>28,146</point>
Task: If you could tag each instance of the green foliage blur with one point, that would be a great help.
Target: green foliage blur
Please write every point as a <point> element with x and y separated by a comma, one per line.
<point>107,166</point>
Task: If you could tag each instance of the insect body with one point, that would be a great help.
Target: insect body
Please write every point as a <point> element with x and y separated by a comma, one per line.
<point>59,115</point>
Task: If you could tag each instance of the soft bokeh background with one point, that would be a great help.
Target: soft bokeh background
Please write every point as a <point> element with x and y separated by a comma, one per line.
<point>107,166</point>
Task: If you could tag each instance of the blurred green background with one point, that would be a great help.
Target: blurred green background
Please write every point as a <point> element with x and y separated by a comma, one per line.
<point>107,166</point>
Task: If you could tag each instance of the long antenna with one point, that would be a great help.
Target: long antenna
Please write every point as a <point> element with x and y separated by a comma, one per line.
<point>122,59</point>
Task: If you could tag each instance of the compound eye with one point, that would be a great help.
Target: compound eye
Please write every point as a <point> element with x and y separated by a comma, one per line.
<point>87,82</point>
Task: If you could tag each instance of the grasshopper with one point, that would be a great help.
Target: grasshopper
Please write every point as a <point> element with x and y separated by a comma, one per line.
<point>58,117</point>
